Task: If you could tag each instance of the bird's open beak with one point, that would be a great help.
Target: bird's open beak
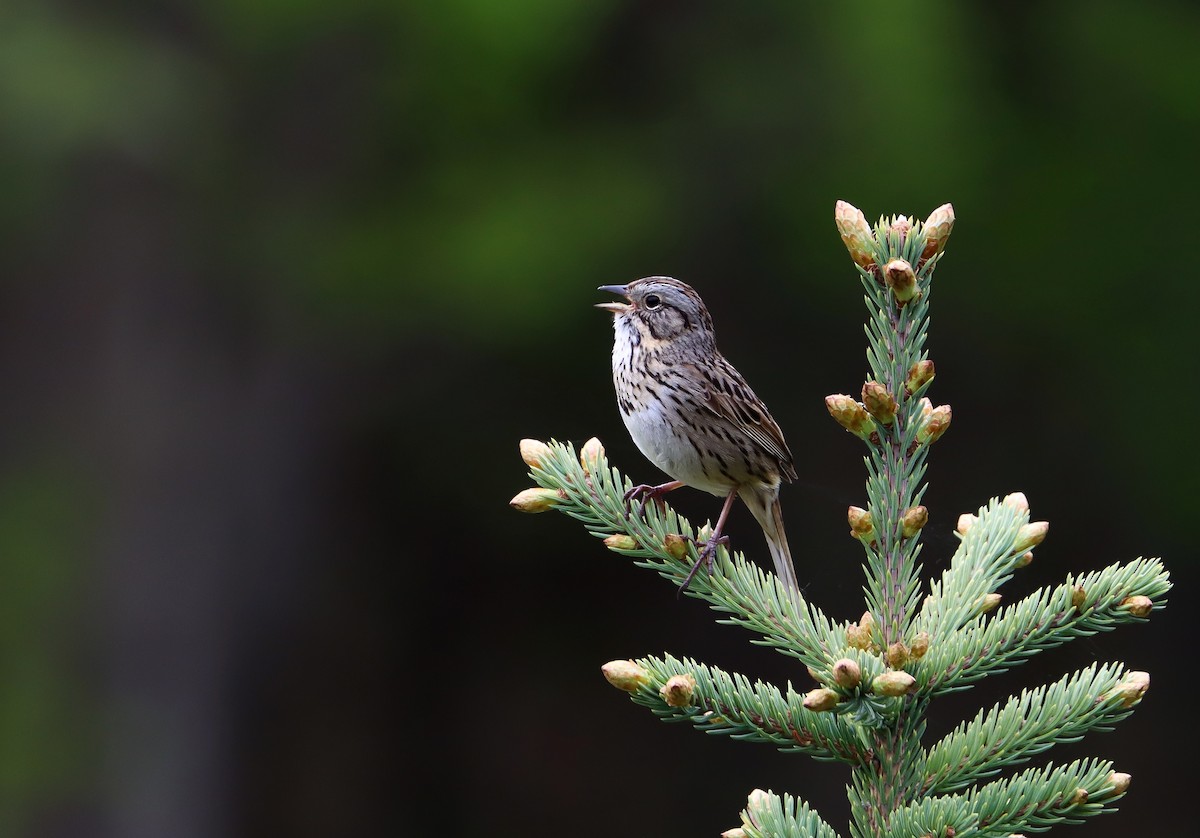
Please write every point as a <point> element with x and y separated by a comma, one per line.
<point>615,307</point>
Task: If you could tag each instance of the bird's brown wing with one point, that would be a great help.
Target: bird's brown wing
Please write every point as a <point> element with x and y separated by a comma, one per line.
<point>727,395</point>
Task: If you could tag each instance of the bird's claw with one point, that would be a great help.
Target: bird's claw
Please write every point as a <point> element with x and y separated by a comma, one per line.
<point>643,493</point>
<point>706,556</point>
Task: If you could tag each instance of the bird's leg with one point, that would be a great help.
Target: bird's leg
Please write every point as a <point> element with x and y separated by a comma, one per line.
<point>646,492</point>
<point>710,547</point>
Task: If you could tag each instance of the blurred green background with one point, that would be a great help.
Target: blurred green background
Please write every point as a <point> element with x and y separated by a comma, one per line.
<point>284,283</point>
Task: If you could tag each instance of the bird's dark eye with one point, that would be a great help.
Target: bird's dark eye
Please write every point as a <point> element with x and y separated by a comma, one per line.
<point>652,302</point>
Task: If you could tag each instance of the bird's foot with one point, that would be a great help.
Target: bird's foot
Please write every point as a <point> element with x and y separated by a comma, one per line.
<point>646,492</point>
<point>708,552</point>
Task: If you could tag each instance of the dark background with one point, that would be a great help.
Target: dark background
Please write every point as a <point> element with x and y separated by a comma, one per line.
<point>283,284</point>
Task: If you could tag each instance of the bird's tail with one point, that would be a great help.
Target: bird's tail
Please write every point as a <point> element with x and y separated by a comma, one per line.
<point>764,504</point>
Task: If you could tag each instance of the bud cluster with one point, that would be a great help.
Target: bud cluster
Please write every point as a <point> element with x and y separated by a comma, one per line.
<point>863,246</point>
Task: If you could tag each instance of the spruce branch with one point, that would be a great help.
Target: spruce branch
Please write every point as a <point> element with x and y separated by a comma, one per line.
<point>993,542</point>
<point>1033,800</point>
<point>728,704</point>
<point>586,488</point>
<point>1083,605</point>
<point>768,815</point>
<point>1028,724</point>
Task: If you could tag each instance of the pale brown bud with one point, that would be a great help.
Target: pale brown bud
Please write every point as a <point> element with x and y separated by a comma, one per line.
<point>850,415</point>
<point>867,621</point>
<point>1119,782</point>
<point>937,229</point>
<point>1139,606</point>
<point>1017,501</point>
<point>1132,687</point>
<point>1078,597</point>
<point>861,525</point>
<point>988,602</point>
<point>736,832</point>
<point>1030,535</point>
<point>847,674</point>
<point>678,690</point>
<point>1025,559</point>
<point>914,520</point>
<point>1079,797</point>
<point>756,802</point>
<point>900,226</point>
<point>590,454</point>
<point>856,233</point>
<point>919,374</point>
<point>893,683</point>
<point>965,522</point>
<point>899,276</point>
<point>896,655</point>
<point>920,645</point>
<point>879,402</point>
<point>626,675</point>
<point>935,424</point>
<point>536,500</point>
<point>821,699</point>
<point>858,637</point>
<point>534,452</point>
<point>620,541</point>
<point>675,545</point>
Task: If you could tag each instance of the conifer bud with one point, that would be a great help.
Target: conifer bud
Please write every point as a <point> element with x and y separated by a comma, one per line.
<point>965,522</point>
<point>861,525</point>
<point>1017,501</point>
<point>856,233</point>
<point>534,452</point>
<point>1030,535</point>
<point>1119,782</point>
<point>757,803</point>
<point>900,226</point>
<point>920,645</point>
<point>675,545</point>
<point>896,655</point>
<point>626,675</point>
<point>867,621</point>
<point>1024,560</point>
<point>1079,797</point>
<point>914,520</point>
<point>821,699</point>
<point>678,690</point>
<point>536,500</point>
<point>1078,597</point>
<point>1139,606</point>
<point>620,541</point>
<point>736,832</point>
<point>879,402</point>
<point>988,602</point>
<point>919,374</point>
<point>937,229</point>
<point>861,636</point>
<point>1132,687</point>
<point>850,415</point>
<point>857,638</point>
<point>847,673</point>
<point>590,454</point>
<point>893,683</point>
<point>935,424</point>
<point>899,276</point>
